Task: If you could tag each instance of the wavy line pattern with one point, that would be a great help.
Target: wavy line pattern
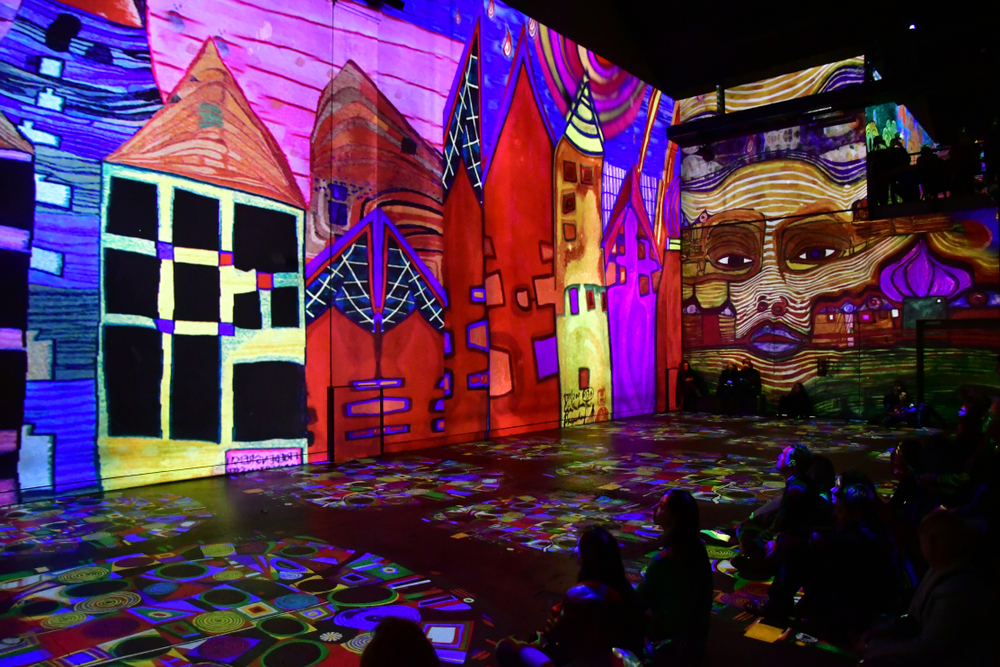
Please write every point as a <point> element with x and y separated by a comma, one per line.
<point>824,78</point>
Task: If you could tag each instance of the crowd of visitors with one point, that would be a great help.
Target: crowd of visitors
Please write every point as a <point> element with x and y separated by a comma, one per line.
<point>893,177</point>
<point>898,579</point>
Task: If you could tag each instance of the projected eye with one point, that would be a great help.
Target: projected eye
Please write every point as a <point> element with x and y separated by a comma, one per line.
<point>734,261</point>
<point>814,254</point>
<point>811,243</point>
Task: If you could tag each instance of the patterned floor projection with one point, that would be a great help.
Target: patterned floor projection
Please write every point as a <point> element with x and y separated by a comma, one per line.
<point>371,483</point>
<point>532,449</point>
<point>716,478</point>
<point>67,524</point>
<point>292,603</point>
<point>550,523</point>
<point>655,430</point>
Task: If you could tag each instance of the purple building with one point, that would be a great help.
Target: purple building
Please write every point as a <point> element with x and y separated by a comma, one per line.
<point>632,271</point>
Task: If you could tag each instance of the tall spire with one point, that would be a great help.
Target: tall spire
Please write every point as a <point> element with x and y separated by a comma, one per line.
<point>583,128</point>
<point>463,137</point>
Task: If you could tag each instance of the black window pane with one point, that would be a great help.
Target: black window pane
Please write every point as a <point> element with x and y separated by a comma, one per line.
<point>264,240</point>
<point>196,292</point>
<point>285,307</point>
<point>131,283</point>
<point>14,288</point>
<point>132,209</point>
<point>268,401</point>
<point>13,369</point>
<point>17,192</point>
<point>133,367</point>
<point>246,310</point>
<point>196,221</point>
<point>195,389</point>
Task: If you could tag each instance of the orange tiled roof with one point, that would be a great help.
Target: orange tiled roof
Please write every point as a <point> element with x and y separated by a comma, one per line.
<point>11,139</point>
<point>208,132</point>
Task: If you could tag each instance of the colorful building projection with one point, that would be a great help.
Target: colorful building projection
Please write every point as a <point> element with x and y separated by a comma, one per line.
<point>17,220</point>
<point>76,85</point>
<point>300,238</point>
<point>797,280</point>
<point>202,355</point>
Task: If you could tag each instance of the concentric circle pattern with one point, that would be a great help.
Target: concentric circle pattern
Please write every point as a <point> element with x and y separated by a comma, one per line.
<point>215,622</point>
<point>108,603</point>
<point>228,604</point>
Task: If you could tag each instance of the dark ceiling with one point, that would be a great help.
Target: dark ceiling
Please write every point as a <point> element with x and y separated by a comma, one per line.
<point>946,69</point>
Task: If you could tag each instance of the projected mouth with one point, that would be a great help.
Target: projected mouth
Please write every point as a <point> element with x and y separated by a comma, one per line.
<point>776,339</point>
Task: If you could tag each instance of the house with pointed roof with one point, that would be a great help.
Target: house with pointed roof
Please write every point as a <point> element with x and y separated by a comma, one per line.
<point>17,221</point>
<point>466,356</point>
<point>378,306</point>
<point>582,312</point>
<point>364,154</point>
<point>632,275</point>
<point>518,288</point>
<point>201,363</point>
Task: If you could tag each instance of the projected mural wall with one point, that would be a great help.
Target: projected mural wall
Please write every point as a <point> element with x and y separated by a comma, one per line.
<point>782,267</point>
<point>237,237</point>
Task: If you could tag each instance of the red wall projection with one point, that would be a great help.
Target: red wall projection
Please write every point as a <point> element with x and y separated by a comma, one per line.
<point>244,237</point>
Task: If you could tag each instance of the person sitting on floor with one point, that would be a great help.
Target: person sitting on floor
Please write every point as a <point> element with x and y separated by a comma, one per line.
<point>910,502</point>
<point>905,413</point>
<point>890,400</point>
<point>586,630</point>
<point>852,579</point>
<point>765,541</point>
<point>824,476</point>
<point>795,404</point>
<point>945,625</point>
<point>600,560</point>
<point>398,641</point>
<point>677,585</point>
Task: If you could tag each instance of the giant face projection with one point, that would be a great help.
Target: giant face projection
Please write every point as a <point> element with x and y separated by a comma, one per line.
<point>789,275</point>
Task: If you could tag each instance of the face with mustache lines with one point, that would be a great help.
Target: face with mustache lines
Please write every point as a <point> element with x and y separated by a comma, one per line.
<point>772,273</point>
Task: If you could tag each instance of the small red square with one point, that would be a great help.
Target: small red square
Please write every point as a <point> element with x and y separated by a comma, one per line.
<point>225,259</point>
<point>264,281</point>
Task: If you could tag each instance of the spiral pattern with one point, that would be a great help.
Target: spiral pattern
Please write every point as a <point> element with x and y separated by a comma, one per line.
<point>109,603</point>
<point>357,644</point>
<point>66,620</point>
<point>83,574</point>
<point>215,622</point>
<point>719,552</point>
<point>218,550</point>
<point>228,575</point>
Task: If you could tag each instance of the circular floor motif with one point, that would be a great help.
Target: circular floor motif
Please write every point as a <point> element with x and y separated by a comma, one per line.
<point>112,520</point>
<point>374,483</point>
<point>549,523</point>
<point>717,478</point>
<point>324,615</point>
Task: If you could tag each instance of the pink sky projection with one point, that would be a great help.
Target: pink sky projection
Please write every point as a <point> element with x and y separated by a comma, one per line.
<point>283,61</point>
